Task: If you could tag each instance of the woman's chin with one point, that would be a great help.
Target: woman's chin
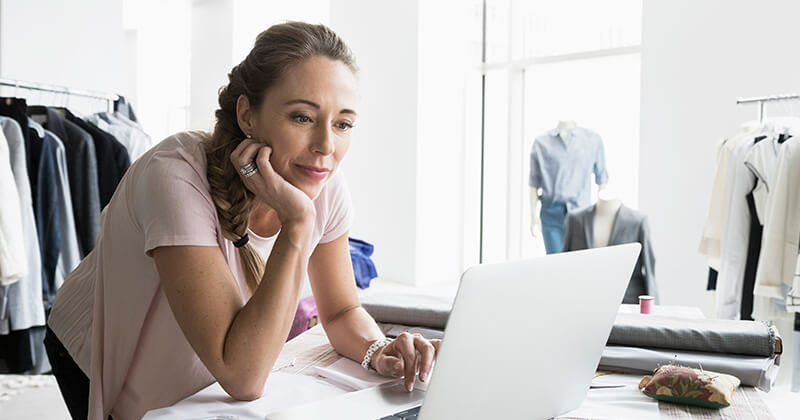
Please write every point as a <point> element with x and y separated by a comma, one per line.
<point>311,191</point>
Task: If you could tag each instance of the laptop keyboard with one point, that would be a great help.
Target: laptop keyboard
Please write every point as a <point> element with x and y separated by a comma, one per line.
<point>410,414</point>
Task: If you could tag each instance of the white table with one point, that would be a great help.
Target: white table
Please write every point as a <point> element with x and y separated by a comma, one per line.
<point>296,383</point>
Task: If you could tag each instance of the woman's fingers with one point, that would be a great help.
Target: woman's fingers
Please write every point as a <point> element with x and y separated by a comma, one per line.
<point>405,344</point>
<point>407,356</point>
<point>262,159</point>
<point>436,343</point>
<point>249,153</point>
<point>390,366</point>
<point>426,351</point>
<point>237,154</point>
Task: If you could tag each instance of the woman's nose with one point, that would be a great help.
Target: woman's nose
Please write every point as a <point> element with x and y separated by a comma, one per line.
<point>323,141</point>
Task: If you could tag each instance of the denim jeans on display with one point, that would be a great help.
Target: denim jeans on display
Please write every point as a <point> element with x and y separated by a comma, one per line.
<point>552,215</point>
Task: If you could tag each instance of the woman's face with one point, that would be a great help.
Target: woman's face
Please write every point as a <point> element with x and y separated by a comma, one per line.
<point>307,118</point>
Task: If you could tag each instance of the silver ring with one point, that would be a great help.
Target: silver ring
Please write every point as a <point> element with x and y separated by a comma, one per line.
<point>248,170</point>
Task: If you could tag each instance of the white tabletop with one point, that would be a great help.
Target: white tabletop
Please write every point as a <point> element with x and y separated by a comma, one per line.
<point>294,381</point>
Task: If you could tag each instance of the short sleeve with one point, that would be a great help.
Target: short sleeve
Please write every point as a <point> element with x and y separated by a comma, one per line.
<point>173,206</point>
<point>600,172</point>
<point>535,178</point>
<point>337,206</point>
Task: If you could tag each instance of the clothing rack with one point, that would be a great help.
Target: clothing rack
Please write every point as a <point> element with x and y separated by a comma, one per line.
<point>761,100</point>
<point>109,97</point>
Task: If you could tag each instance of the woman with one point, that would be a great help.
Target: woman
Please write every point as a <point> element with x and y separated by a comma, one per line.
<point>177,293</point>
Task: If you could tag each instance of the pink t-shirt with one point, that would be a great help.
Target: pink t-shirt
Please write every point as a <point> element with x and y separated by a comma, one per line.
<point>111,314</point>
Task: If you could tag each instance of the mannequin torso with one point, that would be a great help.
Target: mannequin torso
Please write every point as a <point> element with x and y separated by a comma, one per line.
<point>565,128</point>
<point>604,217</point>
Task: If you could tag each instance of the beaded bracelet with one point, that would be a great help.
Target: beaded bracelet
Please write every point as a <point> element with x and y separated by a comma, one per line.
<point>372,349</point>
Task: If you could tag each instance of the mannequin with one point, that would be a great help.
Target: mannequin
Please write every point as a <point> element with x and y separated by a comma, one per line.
<point>562,160</point>
<point>564,130</point>
<point>610,222</point>
<point>608,204</point>
<point>536,223</point>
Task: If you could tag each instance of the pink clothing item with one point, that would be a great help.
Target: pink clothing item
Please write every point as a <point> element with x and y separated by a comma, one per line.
<point>111,313</point>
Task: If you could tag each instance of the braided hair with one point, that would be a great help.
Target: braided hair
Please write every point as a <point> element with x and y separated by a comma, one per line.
<point>275,50</point>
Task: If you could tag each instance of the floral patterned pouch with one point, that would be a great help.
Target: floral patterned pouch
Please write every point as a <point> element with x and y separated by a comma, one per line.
<point>685,385</point>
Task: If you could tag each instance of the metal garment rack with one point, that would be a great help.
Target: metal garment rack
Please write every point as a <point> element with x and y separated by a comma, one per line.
<point>110,98</point>
<point>761,100</point>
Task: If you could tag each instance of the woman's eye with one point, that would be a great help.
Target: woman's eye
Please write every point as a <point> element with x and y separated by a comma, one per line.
<point>302,118</point>
<point>344,125</point>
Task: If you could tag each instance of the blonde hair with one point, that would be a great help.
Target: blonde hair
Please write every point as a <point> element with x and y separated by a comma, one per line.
<point>275,50</point>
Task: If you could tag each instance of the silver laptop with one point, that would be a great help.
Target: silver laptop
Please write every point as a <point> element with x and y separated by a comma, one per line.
<point>522,342</point>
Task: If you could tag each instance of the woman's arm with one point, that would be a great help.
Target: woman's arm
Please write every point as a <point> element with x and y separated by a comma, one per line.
<point>350,329</point>
<point>237,342</point>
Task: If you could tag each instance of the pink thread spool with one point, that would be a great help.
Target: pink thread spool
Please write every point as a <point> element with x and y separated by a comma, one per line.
<point>645,304</point>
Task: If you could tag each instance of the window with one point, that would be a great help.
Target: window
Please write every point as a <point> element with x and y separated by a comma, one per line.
<point>545,62</point>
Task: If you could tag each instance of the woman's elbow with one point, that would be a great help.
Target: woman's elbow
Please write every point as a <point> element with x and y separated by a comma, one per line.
<point>245,391</point>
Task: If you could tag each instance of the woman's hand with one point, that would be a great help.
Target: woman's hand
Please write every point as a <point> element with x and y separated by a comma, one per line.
<point>406,356</point>
<point>290,203</point>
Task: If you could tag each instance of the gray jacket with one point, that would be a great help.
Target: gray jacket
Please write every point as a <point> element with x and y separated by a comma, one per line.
<point>629,226</point>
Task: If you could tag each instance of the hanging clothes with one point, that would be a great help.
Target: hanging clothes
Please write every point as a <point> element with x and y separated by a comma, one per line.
<point>780,246</point>
<point>12,255</point>
<point>56,171</point>
<point>23,317</point>
<point>136,142</point>
<point>112,158</point>
<point>82,173</point>
<point>736,228</point>
<point>123,107</point>
<point>629,226</point>
<point>42,170</point>
<point>735,235</point>
<point>69,255</point>
<point>24,298</point>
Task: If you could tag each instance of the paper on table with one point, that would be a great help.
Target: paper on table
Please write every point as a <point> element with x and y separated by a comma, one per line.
<point>282,391</point>
<point>618,403</point>
<point>350,375</point>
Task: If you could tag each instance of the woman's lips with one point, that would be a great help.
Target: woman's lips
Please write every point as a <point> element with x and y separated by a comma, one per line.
<point>314,173</point>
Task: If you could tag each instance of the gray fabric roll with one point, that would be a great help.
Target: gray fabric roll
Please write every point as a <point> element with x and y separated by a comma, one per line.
<point>406,309</point>
<point>705,335</point>
<point>757,371</point>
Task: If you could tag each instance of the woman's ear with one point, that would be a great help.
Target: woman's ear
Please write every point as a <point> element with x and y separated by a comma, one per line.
<point>244,115</point>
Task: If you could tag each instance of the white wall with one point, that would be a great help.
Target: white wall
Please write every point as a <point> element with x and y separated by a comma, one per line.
<point>697,58</point>
<point>223,33</point>
<point>212,30</point>
<point>78,45</point>
<point>444,71</point>
<point>381,166</point>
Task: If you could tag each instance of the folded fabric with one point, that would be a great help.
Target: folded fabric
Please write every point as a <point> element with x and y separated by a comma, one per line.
<point>753,338</point>
<point>363,266</point>
<point>685,385</point>
<point>757,371</point>
<point>409,309</point>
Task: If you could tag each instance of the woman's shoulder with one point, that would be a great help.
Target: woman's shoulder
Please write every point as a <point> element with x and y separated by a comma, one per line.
<point>177,163</point>
<point>179,152</point>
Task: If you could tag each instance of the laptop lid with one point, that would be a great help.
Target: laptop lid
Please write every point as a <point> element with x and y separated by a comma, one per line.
<point>525,337</point>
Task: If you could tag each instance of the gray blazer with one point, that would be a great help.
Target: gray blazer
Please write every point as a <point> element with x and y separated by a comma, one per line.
<point>629,226</point>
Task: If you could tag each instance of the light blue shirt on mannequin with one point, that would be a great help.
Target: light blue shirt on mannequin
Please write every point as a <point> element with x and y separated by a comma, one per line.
<point>561,168</point>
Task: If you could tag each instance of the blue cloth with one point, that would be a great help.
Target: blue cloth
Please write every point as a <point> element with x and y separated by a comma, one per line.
<point>363,267</point>
<point>553,215</point>
<point>561,168</point>
<point>42,151</point>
